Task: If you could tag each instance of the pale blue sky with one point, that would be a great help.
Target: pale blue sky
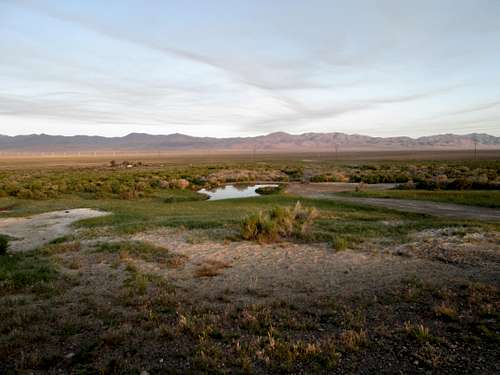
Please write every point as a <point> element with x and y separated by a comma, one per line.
<point>230,68</point>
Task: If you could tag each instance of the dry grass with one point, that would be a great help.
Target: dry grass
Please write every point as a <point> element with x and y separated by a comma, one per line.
<point>211,268</point>
<point>61,248</point>
<point>353,340</point>
<point>418,332</point>
<point>445,311</point>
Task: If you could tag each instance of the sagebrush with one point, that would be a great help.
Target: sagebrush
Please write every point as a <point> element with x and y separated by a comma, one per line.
<point>279,223</point>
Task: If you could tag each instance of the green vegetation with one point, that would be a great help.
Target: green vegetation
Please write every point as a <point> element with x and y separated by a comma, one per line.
<point>354,223</point>
<point>279,223</point>
<point>4,244</point>
<point>418,332</point>
<point>483,198</point>
<point>268,190</point>
<point>140,181</point>
<point>430,175</point>
<point>340,243</point>
<point>85,301</point>
<point>24,270</point>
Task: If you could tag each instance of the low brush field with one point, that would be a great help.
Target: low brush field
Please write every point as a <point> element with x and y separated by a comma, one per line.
<point>170,282</point>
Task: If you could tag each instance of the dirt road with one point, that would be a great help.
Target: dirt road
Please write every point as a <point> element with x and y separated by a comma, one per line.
<point>427,207</point>
<point>417,206</point>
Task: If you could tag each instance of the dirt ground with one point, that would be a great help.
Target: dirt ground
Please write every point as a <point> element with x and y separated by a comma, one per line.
<point>328,190</point>
<point>31,232</point>
<point>309,189</point>
<point>253,281</point>
<point>249,271</point>
<point>202,304</point>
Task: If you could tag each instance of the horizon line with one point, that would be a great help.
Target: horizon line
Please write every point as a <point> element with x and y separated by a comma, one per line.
<point>234,137</point>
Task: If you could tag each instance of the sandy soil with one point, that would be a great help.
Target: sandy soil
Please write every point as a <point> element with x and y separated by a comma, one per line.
<point>327,190</point>
<point>34,231</point>
<point>251,271</point>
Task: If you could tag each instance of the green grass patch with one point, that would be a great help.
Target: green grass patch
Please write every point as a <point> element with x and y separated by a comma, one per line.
<point>19,271</point>
<point>351,221</point>
<point>340,243</point>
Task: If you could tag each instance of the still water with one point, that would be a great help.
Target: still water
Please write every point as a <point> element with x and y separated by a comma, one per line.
<point>232,191</point>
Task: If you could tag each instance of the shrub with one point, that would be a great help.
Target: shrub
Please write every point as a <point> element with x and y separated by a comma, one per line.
<point>460,184</point>
<point>409,185</point>
<point>268,190</point>
<point>279,223</point>
<point>4,244</point>
<point>340,243</point>
<point>319,178</point>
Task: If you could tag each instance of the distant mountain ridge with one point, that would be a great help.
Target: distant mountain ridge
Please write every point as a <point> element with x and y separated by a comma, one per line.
<point>279,141</point>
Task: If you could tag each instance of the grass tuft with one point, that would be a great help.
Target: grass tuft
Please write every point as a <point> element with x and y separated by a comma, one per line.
<point>353,340</point>
<point>279,223</point>
<point>340,243</point>
<point>418,332</point>
<point>445,312</point>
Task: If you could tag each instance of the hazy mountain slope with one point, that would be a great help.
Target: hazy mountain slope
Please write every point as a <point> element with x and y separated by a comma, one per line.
<point>272,142</point>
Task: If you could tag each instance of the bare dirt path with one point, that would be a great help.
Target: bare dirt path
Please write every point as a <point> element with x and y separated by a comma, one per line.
<point>426,207</point>
<point>451,210</point>
<point>31,232</point>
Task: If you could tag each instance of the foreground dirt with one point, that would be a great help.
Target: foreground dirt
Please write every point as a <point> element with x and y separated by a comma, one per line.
<point>327,190</point>
<point>200,305</point>
<point>249,271</point>
<point>31,232</point>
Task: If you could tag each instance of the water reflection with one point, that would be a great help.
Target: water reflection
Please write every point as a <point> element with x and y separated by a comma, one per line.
<point>233,191</point>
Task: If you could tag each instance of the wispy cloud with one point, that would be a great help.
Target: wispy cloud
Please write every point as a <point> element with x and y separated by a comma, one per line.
<point>303,65</point>
<point>302,113</point>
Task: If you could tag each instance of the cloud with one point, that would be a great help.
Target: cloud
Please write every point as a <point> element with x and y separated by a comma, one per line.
<point>269,77</point>
<point>302,113</point>
<point>478,108</point>
<point>294,75</point>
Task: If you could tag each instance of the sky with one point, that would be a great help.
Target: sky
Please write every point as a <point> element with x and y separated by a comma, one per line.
<point>226,68</point>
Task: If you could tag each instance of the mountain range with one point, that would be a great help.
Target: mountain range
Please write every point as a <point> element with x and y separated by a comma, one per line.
<point>278,141</point>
